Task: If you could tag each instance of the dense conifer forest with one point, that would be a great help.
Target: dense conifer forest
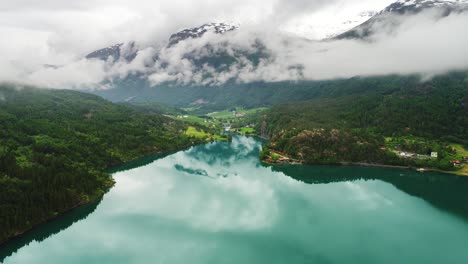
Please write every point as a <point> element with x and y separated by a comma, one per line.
<point>56,145</point>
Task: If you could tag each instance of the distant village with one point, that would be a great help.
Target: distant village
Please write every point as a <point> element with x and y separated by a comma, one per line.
<point>434,155</point>
<point>227,122</point>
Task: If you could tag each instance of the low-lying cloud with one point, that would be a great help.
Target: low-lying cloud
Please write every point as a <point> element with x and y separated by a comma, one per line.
<point>427,43</point>
<point>424,44</point>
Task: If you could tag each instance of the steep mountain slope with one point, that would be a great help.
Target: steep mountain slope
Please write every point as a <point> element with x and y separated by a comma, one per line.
<point>415,6</point>
<point>371,123</point>
<point>186,57</point>
<point>257,94</point>
<point>197,32</point>
<point>105,53</point>
<point>396,105</point>
<point>129,51</point>
<point>392,16</point>
<point>329,29</point>
<point>178,63</point>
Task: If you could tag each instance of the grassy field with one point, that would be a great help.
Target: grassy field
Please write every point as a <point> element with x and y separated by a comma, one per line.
<point>216,121</point>
<point>196,120</point>
<point>228,114</point>
<point>220,138</point>
<point>464,171</point>
<point>460,150</point>
<point>247,130</point>
<point>221,115</point>
<point>200,134</point>
<point>192,119</point>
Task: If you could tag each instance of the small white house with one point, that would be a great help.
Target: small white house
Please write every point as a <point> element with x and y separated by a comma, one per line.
<point>434,155</point>
<point>227,127</point>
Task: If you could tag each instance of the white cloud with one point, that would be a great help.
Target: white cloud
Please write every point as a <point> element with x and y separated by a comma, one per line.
<point>57,33</point>
<point>81,74</point>
<point>426,44</point>
<point>423,44</point>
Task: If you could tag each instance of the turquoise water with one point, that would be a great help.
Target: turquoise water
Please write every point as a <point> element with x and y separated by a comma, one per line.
<point>216,203</point>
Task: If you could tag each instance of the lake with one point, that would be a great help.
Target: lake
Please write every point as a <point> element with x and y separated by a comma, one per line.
<point>215,203</point>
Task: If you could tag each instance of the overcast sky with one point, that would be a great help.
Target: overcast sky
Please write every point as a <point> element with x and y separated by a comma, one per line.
<point>68,28</point>
<point>61,32</point>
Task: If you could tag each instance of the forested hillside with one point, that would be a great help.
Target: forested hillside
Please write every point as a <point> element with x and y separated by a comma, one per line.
<point>259,94</point>
<point>55,146</point>
<point>355,122</point>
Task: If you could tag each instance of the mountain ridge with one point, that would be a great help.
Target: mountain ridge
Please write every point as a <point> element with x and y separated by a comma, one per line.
<point>401,8</point>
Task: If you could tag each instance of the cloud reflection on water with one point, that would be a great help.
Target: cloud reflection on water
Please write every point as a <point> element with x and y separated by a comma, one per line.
<point>241,212</point>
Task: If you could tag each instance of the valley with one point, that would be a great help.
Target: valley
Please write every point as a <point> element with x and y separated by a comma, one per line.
<point>138,131</point>
<point>371,121</point>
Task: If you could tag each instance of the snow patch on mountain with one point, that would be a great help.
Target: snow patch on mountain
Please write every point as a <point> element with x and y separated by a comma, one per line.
<point>432,2</point>
<point>416,5</point>
<point>335,19</point>
<point>197,32</point>
<point>318,28</point>
<point>104,53</point>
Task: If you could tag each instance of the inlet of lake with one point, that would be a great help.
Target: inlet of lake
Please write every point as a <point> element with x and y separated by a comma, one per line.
<point>216,203</point>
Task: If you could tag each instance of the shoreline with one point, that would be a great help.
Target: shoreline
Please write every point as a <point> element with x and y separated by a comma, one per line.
<point>156,155</point>
<point>376,165</point>
<point>110,170</point>
<point>48,220</point>
<point>363,164</point>
<point>290,161</point>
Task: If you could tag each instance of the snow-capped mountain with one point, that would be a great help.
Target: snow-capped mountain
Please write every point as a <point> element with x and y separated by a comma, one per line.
<point>221,60</point>
<point>196,32</point>
<point>414,6</point>
<point>205,60</point>
<point>349,21</point>
<point>129,51</point>
<point>126,51</point>
<point>334,19</point>
<point>105,53</point>
<point>320,26</point>
<point>390,15</point>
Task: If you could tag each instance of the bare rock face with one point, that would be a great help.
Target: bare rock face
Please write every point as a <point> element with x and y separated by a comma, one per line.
<point>125,51</point>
